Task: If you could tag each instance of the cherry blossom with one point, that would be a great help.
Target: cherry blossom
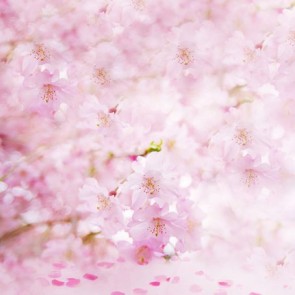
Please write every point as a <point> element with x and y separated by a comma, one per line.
<point>147,147</point>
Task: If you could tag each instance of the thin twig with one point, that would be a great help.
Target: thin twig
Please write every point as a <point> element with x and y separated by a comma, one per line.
<point>27,227</point>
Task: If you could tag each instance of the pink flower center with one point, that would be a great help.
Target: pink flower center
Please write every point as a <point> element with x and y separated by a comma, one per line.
<point>184,56</point>
<point>40,53</point>
<point>103,203</point>
<point>138,4</point>
<point>242,137</point>
<point>49,92</point>
<point>171,144</point>
<point>291,38</point>
<point>104,120</point>
<point>101,76</point>
<point>191,224</point>
<point>249,54</point>
<point>150,185</point>
<point>143,255</point>
<point>250,177</point>
<point>158,227</point>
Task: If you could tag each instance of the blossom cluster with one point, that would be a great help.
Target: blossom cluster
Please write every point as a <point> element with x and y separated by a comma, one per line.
<point>137,134</point>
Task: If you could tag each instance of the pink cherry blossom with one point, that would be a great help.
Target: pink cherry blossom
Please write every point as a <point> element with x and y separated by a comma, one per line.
<point>147,147</point>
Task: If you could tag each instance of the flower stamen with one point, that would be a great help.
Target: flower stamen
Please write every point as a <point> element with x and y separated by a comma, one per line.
<point>40,53</point>
<point>49,92</point>
<point>242,137</point>
<point>104,120</point>
<point>104,203</point>
<point>158,227</point>
<point>250,177</point>
<point>143,255</point>
<point>150,186</point>
<point>184,56</point>
<point>101,76</point>
<point>291,38</point>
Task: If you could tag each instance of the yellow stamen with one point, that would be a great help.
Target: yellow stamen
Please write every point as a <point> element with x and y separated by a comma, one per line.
<point>184,56</point>
<point>101,76</point>
<point>150,186</point>
<point>49,92</point>
<point>104,203</point>
<point>242,137</point>
<point>104,120</point>
<point>250,177</point>
<point>158,227</point>
<point>40,53</point>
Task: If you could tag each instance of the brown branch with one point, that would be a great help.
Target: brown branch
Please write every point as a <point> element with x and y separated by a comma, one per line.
<point>15,232</point>
<point>27,227</point>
